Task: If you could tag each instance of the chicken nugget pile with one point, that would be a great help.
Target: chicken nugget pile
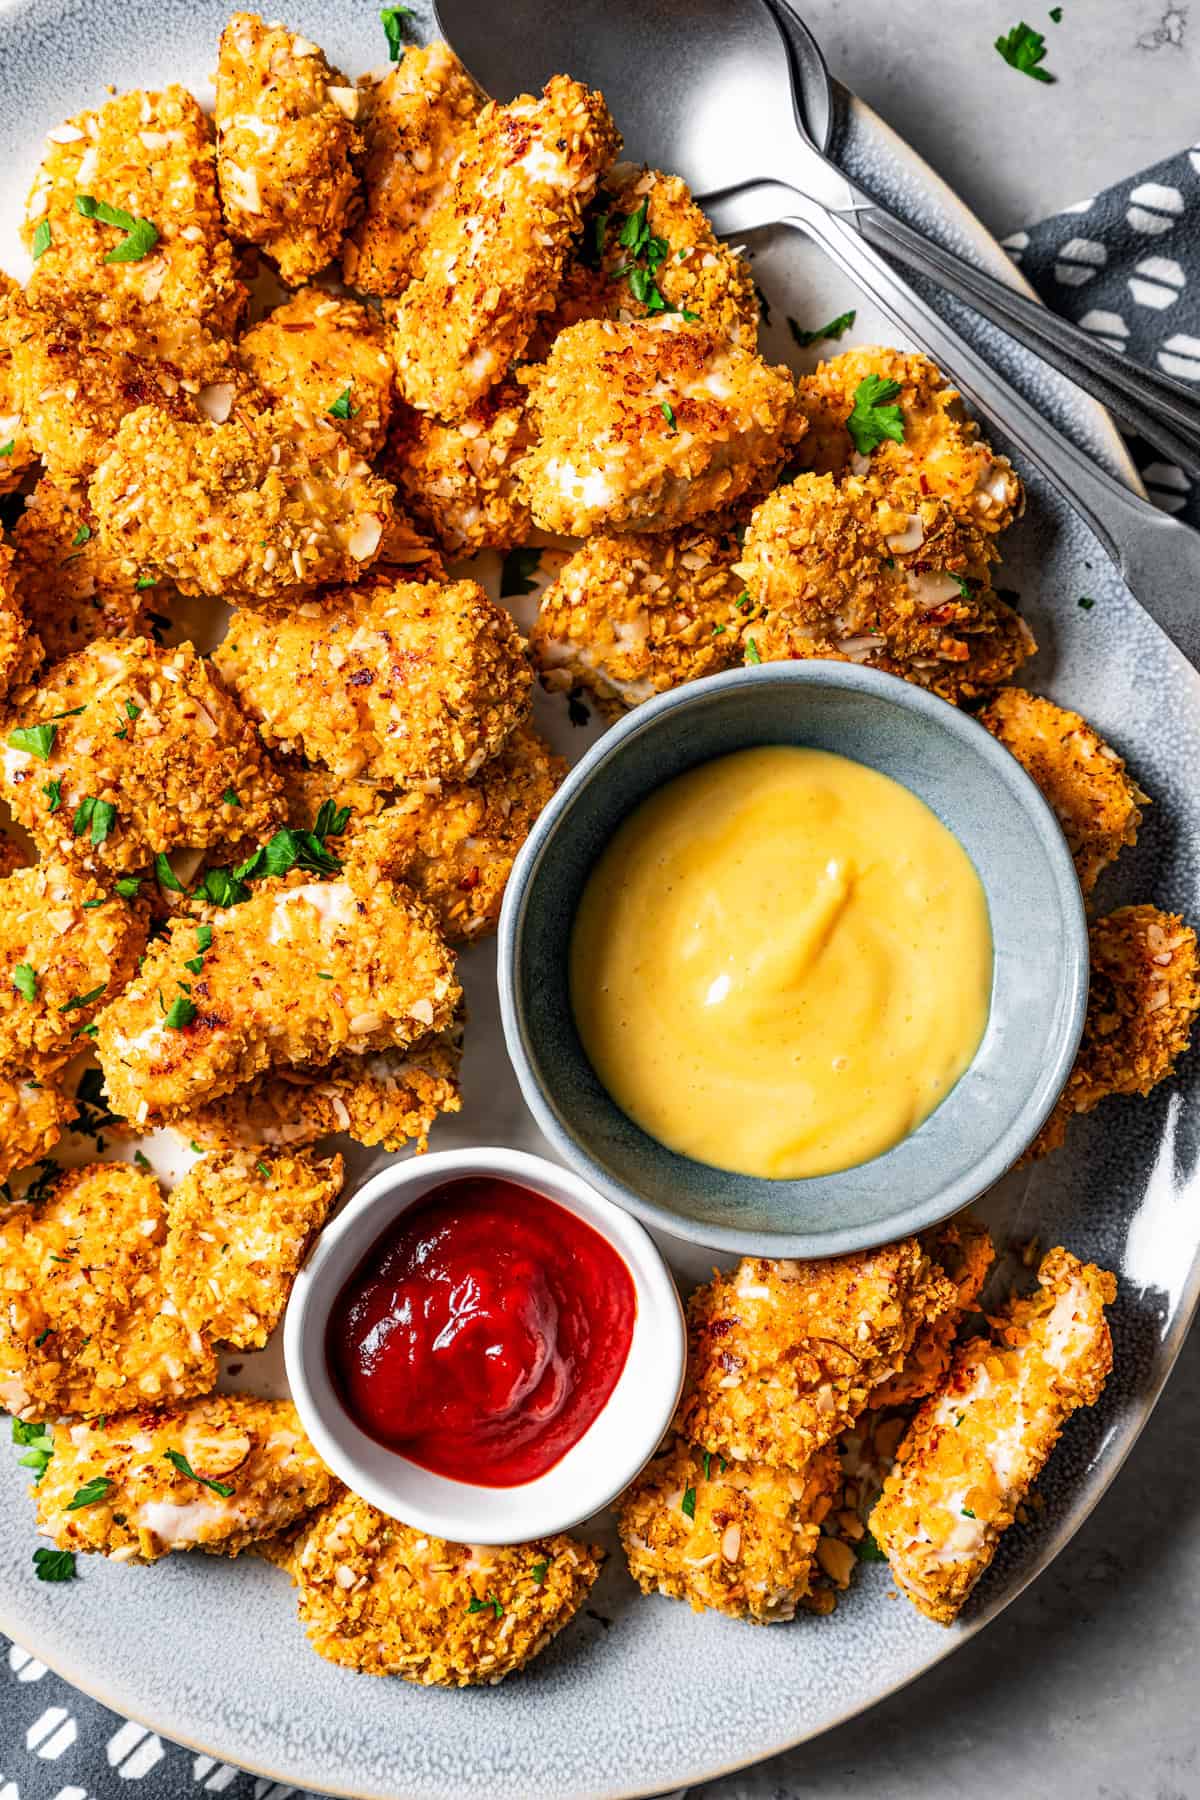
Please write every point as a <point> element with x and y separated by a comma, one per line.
<point>266,763</point>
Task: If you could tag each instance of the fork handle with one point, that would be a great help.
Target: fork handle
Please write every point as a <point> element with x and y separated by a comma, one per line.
<point>1164,412</point>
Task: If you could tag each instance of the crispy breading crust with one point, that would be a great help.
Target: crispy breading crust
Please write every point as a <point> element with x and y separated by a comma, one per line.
<point>386,1599</point>
<point>747,1546</point>
<point>942,448</point>
<point>390,1099</point>
<point>84,1323</point>
<point>287,145</point>
<point>262,996</point>
<point>255,508</point>
<point>414,123</point>
<point>1143,997</point>
<point>149,154</point>
<point>151,733</point>
<point>963,1248</point>
<point>977,1446</point>
<point>648,425</point>
<point>317,351</point>
<point>785,1355</point>
<point>630,617</point>
<point>255,1447</point>
<point>19,450</point>
<point>406,681</point>
<point>862,571</point>
<point>1095,801</point>
<point>77,951</point>
<point>72,589</point>
<point>460,478</point>
<point>239,1226</point>
<point>35,1110</point>
<point>20,647</point>
<point>494,253</point>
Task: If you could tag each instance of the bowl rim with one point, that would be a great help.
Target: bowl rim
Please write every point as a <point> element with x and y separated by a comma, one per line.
<point>644,1398</point>
<point>1009,1143</point>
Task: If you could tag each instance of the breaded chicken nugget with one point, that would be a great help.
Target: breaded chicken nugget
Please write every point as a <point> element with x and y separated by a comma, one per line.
<point>217,1475</point>
<point>143,750</point>
<point>35,1110</point>
<point>629,617</point>
<point>17,451</point>
<point>85,1326</point>
<point>389,1099</point>
<point>148,157</point>
<point>66,945</point>
<point>494,251</point>
<point>963,1248</point>
<point>737,1538</point>
<point>239,1226</point>
<point>1095,801</point>
<point>405,681</point>
<point>846,571</point>
<point>460,478</point>
<point>21,649</point>
<point>386,1599</point>
<point>414,123</point>
<point>1143,997</point>
<point>976,1447</point>
<point>286,145</point>
<point>258,507</point>
<point>785,1355</point>
<point>300,973</point>
<point>328,358</point>
<point>649,425</point>
<point>941,447</point>
<point>72,589</point>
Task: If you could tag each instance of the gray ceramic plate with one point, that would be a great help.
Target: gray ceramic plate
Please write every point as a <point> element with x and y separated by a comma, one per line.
<point>639,1696</point>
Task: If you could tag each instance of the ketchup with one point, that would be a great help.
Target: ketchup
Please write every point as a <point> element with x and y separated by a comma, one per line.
<point>482,1333</point>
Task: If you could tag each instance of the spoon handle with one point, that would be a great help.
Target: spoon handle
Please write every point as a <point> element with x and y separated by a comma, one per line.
<point>1158,557</point>
<point>1162,411</point>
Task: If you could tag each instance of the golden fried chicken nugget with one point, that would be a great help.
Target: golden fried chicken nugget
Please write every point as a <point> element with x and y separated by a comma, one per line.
<point>66,945</point>
<point>1143,997</point>
<point>785,1355</point>
<point>72,589</point>
<point>648,425</point>
<point>630,617</point>
<point>977,1446</point>
<point>383,1598</point>
<point>17,450</point>
<point>300,973</point>
<point>258,507</point>
<point>287,145</point>
<point>21,648</point>
<point>35,1110</point>
<point>1095,800</point>
<point>388,1099</point>
<point>885,577</point>
<point>328,358</point>
<point>217,1474</point>
<point>459,478</point>
<point>963,1248</point>
<point>148,157</point>
<point>406,681</point>
<point>239,1225</point>
<point>494,251</point>
<point>731,1537</point>
<point>85,1326</point>
<point>143,750</point>
<point>941,447</point>
<point>415,120</point>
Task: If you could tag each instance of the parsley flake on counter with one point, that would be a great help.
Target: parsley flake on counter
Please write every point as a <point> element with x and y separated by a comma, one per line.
<point>836,328</point>
<point>1086,602</point>
<point>90,1493</point>
<point>35,740</point>
<point>1024,49</point>
<point>37,1441</point>
<point>517,573</point>
<point>1056,14</point>
<point>140,235</point>
<point>874,417</point>
<point>341,408</point>
<point>393,31</point>
<point>180,1013</point>
<point>41,239</point>
<point>24,979</point>
<point>54,1565</point>
<point>179,1461</point>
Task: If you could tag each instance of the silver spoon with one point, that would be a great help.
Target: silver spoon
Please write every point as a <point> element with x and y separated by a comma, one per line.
<point>703,88</point>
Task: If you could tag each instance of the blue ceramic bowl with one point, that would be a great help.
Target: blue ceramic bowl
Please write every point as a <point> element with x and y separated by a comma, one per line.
<point>1039,981</point>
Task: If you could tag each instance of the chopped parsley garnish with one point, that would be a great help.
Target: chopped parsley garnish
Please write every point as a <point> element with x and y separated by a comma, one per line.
<point>24,979</point>
<point>179,1461</point>
<point>1086,602</point>
<point>141,1159</point>
<point>78,1001</point>
<point>874,417</point>
<point>203,938</point>
<point>166,875</point>
<point>41,239</point>
<point>81,536</point>
<point>230,798</point>
<point>94,1114</point>
<point>764,305</point>
<point>54,1565</point>
<point>131,711</point>
<point>836,328</point>
<point>90,1493</point>
<point>1024,49</point>
<point>129,887</point>
<point>41,1337</point>
<point>341,408</point>
<point>390,18</point>
<point>967,1513</point>
<point>222,888</point>
<point>491,1604</point>
<point>752,653</point>
<point>263,1170</point>
<point>140,235</point>
<point>668,413</point>
<point>331,820</point>
<point>868,1550</point>
<point>687,1505</point>
<point>35,740</point>
<point>97,815</point>
<point>517,573</point>
<point>538,1572</point>
<point>180,1013</point>
<point>718,631</point>
<point>37,1441</point>
<point>706,1460</point>
<point>647,253</point>
<point>145,581</point>
<point>7,449</point>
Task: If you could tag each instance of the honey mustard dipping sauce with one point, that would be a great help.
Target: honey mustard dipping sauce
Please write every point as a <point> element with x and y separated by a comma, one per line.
<point>781,963</point>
